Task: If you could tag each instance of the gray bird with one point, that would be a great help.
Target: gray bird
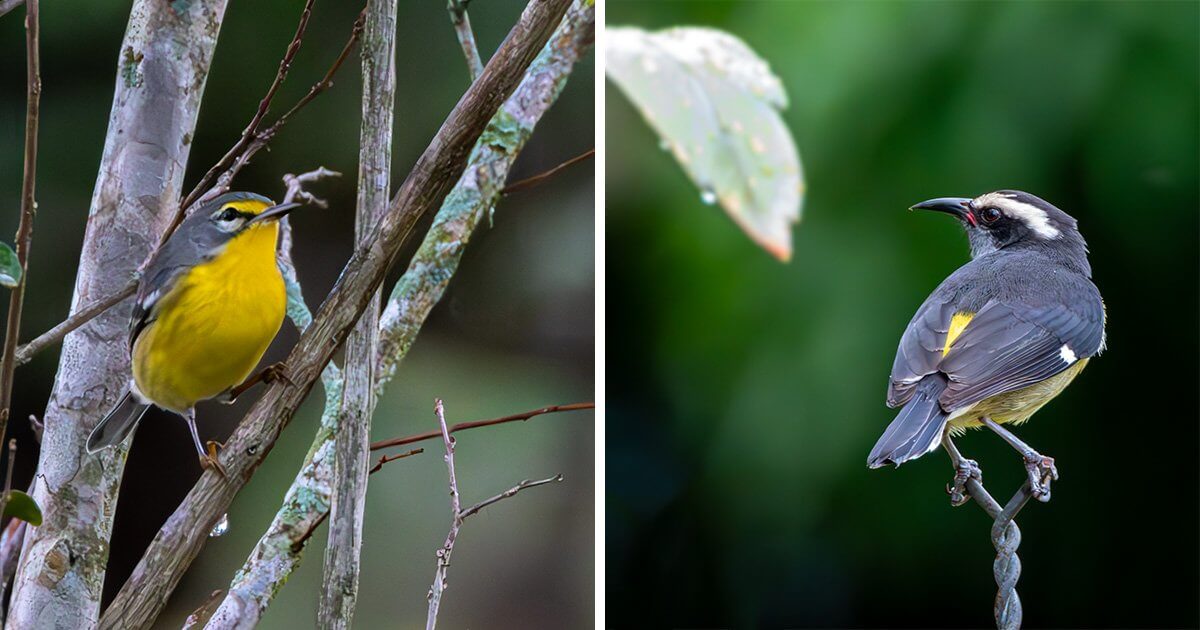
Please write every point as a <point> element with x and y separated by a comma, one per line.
<point>1001,336</point>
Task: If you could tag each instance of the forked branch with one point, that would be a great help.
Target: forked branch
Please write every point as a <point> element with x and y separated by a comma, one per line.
<point>458,516</point>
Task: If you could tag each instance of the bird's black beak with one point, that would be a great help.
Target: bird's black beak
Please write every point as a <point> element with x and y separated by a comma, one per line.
<point>957,206</point>
<point>274,212</point>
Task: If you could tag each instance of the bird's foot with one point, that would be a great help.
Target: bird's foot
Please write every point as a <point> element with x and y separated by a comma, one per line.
<point>1041,471</point>
<point>210,459</point>
<point>270,374</point>
<point>967,469</point>
<point>276,372</point>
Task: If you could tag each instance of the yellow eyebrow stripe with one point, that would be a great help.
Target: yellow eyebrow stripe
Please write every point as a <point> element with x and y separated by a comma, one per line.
<point>249,206</point>
<point>958,323</point>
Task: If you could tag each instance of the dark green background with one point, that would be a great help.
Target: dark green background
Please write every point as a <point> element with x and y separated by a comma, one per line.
<point>744,394</point>
<point>515,331</point>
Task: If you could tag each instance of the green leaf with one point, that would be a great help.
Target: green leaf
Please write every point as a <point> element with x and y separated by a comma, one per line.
<point>715,105</point>
<point>10,267</point>
<point>22,506</point>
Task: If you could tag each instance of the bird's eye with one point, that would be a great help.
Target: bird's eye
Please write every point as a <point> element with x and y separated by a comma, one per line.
<point>228,215</point>
<point>990,215</point>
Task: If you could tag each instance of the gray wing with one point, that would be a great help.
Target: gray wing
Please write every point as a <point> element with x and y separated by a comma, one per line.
<point>921,346</point>
<point>175,257</point>
<point>1009,346</point>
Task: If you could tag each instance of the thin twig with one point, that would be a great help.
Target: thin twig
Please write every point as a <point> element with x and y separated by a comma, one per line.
<point>456,519</point>
<point>233,160</point>
<point>33,93</point>
<point>77,319</point>
<point>391,458</point>
<point>540,177</point>
<point>250,133</point>
<point>474,509</point>
<point>429,435</point>
<point>466,37</point>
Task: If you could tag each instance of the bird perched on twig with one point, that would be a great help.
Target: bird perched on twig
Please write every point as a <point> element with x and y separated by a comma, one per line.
<point>1000,337</point>
<point>208,305</point>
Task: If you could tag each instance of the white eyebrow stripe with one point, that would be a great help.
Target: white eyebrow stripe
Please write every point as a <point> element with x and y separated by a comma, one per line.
<point>1031,215</point>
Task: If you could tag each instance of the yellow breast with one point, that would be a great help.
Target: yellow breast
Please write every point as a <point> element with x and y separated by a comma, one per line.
<point>215,324</point>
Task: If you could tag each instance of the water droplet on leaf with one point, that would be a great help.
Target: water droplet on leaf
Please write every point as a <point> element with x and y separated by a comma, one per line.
<point>708,197</point>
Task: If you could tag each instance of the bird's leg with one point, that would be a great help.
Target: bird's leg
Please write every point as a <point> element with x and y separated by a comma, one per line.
<point>269,374</point>
<point>964,470</point>
<point>1041,469</point>
<point>208,459</point>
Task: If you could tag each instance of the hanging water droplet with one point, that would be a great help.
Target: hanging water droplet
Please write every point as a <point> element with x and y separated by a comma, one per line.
<point>664,144</point>
<point>221,528</point>
<point>708,197</point>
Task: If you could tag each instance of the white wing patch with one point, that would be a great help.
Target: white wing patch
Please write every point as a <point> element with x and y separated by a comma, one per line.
<point>1067,354</point>
<point>1030,215</point>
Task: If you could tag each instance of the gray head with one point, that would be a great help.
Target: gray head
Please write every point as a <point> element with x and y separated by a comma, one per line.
<point>218,221</point>
<point>1011,219</point>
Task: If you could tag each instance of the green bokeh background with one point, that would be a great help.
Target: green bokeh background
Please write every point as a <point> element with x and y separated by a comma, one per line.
<point>514,332</point>
<point>743,394</point>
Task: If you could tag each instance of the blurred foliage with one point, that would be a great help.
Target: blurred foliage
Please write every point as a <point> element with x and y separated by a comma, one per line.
<point>514,332</point>
<point>744,395</point>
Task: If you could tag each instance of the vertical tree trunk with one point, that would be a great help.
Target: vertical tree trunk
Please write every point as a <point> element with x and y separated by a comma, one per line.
<point>161,70</point>
<point>352,442</point>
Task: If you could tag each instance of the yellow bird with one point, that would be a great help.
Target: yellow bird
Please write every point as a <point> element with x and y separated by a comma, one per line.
<point>208,305</point>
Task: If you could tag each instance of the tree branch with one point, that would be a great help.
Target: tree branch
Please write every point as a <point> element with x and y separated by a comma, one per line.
<point>223,172</point>
<point>184,533</point>
<point>466,37</point>
<point>459,516</point>
<point>517,417</point>
<point>339,592</point>
<point>16,298</point>
<point>160,74</point>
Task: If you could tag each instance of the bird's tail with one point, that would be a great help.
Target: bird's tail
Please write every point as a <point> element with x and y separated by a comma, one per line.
<point>916,430</point>
<point>118,424</point>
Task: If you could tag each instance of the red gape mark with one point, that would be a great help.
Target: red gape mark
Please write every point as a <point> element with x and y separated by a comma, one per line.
<point>971,218</point>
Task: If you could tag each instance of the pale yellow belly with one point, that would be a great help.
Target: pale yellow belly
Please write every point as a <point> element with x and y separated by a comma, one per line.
<point>209,336</point>
<point>1017,406</point>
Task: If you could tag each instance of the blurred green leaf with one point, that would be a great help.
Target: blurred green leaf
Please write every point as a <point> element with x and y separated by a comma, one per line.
<point>715,105</point>
<point>10,267</point>
<point>22,506</point>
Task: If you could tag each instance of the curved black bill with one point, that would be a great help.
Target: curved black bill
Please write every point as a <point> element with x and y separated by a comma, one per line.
<point>275,212</point>
<point>957,206</point>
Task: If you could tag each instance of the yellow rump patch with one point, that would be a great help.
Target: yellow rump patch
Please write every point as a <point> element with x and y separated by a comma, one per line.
<point>958,323</point>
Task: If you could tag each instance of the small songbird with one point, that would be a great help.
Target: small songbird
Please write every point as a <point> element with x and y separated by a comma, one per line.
<point>208,305</point>
<point>1001,336</point>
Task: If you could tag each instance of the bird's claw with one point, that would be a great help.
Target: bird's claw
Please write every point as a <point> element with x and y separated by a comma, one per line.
<point>210,459</point>
<point>967,469</point>
<point>1041,471</point>
<point>277,372</point>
